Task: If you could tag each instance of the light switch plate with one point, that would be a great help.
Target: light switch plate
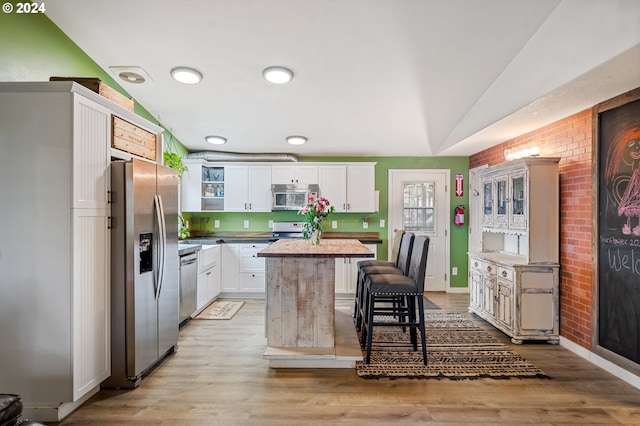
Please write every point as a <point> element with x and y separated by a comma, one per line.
<point>246,224</point>
<point>334,224</point>
<point>216,223</point>
<point>454,270</point>
<point>381,223</point>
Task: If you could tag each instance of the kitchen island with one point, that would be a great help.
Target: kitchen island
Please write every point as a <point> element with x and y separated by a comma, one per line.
<point>303,327</point>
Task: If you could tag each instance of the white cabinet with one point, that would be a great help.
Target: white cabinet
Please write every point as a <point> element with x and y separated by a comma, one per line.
<point>349,187</point>
<point>347,273</point>
<point>55,171</point>
<point>228,187</point>
<point>294,173</point>
<point>247,188</point>
<point>514,280</point>
<point>208,281</point>
<point>191,187</point>
<point>519,300</point>
<point>243,272</point>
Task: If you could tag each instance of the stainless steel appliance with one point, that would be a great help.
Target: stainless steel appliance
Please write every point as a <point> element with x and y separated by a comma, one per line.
<point>287,230</point>
<point>144,269</point>
<point>292,196</point>
<point>188,285</point>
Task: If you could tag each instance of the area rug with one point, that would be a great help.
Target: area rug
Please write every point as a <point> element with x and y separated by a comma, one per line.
<point>456,349</point>
<point>220,310</point>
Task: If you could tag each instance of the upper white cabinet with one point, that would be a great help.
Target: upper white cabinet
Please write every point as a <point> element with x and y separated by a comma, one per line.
<point>294,174</point>
<point>520,204</point>
<point>349,187</point>
<point>226,187</point>
<point>247,188</point>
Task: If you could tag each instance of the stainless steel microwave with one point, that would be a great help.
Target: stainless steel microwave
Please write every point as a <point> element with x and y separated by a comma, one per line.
<point>291,196</point>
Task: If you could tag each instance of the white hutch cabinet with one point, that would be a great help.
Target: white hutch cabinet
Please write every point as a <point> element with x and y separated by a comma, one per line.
<point>514,280</point>
<point>55,245</point>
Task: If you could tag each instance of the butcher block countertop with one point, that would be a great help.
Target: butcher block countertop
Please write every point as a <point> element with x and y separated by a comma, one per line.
<point>328,247</point>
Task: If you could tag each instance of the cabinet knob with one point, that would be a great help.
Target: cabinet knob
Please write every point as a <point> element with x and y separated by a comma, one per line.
<point>504,274</point>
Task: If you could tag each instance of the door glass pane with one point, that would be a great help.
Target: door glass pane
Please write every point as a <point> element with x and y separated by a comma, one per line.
<point>502,197</point>
<point>419,206</point>
<point>518,195</point>
<point>488,198</point>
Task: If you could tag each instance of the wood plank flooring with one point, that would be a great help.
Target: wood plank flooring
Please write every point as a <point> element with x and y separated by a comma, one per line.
<point>218,377</point>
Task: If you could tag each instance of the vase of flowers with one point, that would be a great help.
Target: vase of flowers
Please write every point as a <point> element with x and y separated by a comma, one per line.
<point>314,212</point>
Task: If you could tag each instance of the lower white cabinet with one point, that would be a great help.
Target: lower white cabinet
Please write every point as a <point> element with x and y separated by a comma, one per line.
<point>347,273</point>
<point>208,282</point>
<point>520,300</point>
<point>243,273</point>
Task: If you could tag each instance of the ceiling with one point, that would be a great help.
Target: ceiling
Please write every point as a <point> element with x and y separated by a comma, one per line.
<point>372,77</point>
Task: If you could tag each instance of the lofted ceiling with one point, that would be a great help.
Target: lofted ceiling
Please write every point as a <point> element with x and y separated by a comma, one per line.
<point>372,77</point>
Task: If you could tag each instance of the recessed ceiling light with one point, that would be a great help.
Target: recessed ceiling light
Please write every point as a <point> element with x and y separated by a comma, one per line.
<point>296,140</point>
<point>216,140</point>
<point>277,75</point>
<point>186,75</point>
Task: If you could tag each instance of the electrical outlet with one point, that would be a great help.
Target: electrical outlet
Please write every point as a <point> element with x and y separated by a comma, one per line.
<point>216,223</point>
<point>365,225</point>
<point>454,270</point>
<point>334,224</point>
<point>246,224</point>
<point>381,223</point>
<point>270,224</point>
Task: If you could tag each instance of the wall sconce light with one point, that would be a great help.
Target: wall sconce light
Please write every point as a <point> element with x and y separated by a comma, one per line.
<point>533,151</point>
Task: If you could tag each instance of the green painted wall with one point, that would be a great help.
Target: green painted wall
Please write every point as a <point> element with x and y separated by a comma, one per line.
<point>352,222</point>
<point>33,48</point>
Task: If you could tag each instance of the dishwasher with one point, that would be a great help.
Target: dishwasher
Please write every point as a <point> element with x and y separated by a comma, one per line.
<point>188,285</point>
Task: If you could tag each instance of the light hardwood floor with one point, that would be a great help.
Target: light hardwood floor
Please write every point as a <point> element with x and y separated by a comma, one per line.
<point>218,377</point>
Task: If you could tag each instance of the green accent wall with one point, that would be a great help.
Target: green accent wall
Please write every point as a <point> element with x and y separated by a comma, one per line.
<point>352,222</point>
<point>33,48</point>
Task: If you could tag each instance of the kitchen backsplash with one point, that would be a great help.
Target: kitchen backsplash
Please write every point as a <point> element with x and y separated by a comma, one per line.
<point>346,222</point>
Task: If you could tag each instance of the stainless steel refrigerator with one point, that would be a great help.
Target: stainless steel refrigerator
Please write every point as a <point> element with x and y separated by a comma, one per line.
<point>144,269</point>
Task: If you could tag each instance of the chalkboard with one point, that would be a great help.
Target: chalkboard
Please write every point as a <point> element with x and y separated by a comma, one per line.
<point>618,133</point>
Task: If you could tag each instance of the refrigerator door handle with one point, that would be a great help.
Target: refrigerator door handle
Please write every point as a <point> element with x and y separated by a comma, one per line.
<point>161,243</point>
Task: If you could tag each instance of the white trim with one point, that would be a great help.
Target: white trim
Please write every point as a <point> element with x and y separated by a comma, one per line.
<point>460,290</point>
<point>597,360</point>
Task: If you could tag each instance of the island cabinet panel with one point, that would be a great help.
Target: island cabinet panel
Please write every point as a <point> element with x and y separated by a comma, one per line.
<point>297,309</point>
<point>514,280</point>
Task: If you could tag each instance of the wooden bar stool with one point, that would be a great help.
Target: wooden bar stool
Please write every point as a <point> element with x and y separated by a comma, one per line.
<point>379,287</point>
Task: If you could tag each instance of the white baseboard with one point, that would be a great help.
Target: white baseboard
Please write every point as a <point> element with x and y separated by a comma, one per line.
<point>597,360</point>
<point>458,290</point>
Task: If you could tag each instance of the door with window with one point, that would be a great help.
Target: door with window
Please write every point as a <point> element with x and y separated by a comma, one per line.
<point>419,203</point>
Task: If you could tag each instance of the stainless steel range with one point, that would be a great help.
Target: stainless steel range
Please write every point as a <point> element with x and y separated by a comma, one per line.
<point>287,229</point>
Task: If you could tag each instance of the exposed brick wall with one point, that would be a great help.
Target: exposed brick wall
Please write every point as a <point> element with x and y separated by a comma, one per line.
<point>570,139</point>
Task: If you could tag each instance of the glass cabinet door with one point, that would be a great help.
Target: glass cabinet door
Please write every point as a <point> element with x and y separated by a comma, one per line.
<point>517,218</point>
<point>487,203</point>
<point>212,196</point>
<point>501,202</point>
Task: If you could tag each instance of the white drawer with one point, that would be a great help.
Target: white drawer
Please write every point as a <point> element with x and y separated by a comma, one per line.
<point>505,273</point>
<point>489,268</point>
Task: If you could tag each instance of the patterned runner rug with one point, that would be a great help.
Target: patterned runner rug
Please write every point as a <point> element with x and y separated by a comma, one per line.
<point>220,310</point>
<point>456,349</point>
